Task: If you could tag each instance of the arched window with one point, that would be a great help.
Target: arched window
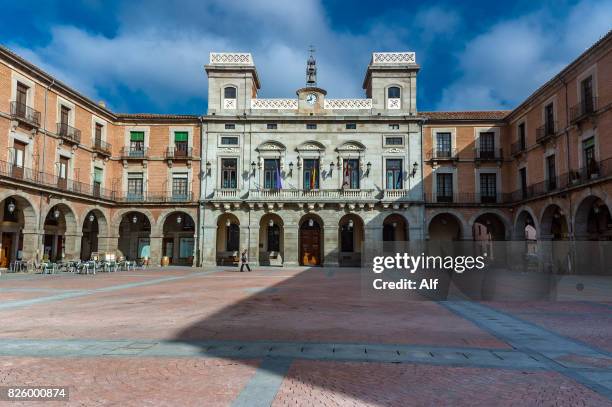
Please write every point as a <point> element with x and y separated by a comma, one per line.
<point>393,92</point>
<point>229,92</point>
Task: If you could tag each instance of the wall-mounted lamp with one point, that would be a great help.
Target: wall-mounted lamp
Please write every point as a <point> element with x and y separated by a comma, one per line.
<point>208,167</point>
<point>595,209</point>
<point>228,223</point>
<point>368,168</point>
<point>415,167</point>
<point>11,207</point>
<point>253,166</point>
<point>56,213</point>
<point>351,224</point>
<point>134,219</point>
<point>291,169</point>
<point>179,219</point>
<point>331,168</point>
<point>91,217</point>
<point>310,222</point>
<point>394,224</point>
<point>271,223</point>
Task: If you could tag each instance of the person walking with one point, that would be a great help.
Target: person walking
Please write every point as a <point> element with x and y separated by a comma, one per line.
<point>244,260</point>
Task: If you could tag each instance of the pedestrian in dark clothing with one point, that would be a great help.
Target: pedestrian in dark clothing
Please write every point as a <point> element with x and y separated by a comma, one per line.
<point>244,260</point>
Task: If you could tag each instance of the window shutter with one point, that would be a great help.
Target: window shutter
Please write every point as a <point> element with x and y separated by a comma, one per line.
<point>181,136</point>
<point>137,136</point>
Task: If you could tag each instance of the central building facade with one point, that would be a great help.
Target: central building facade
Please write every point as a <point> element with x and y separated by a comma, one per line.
<point>308,180</point>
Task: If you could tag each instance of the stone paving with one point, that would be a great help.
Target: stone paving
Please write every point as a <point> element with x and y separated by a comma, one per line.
<point>299,336</point>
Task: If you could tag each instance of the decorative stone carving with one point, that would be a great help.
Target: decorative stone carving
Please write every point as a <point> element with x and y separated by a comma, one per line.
<point>230,104</point>
<point>347,104</point>
<point>394,103</point>
<point>231,58</point>
<point>393,58</point>
<point>276,104</point>
<point>230,150</point>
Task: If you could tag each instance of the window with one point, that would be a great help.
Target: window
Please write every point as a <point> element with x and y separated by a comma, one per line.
<point>311,126</point>
<point>311,174</point>
<point>137,143</point>
<point>181,143</point>
<point>229,140</point>
<point>63,168</point>
<point>229,168</point>
<point>393,92</point>
<point>394,126</point>
<point>586,90</point>
<point>444,187</point>
<point>523,181</point>
<point>272,178</point>
<point>229,92</point>
<point>347,239</point>
<point>394,174</point>
<point>232,242</point>
<point>98,133</point>
<point>551,172</point>
<point>97,180</point>
<point>549,119</point>
<point>22,96</point>
<point>394,141</point>
<point>351,126</point>
<point>274,238</point>
<point>230,126</point>
<point>272,126</point>
<point>522,139</point>
<point>18,159</point>
<point>64,115</point>
<point>180,185</point>
<point>588,151</point>
<point>487,145</point>
<point>443,145</point>
<point>135,186</point>
<point>488,187</point>
<point>350,174</point>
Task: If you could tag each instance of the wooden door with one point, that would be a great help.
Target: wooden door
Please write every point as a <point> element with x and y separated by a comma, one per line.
<point>310,246</point>
<point>5,252</point>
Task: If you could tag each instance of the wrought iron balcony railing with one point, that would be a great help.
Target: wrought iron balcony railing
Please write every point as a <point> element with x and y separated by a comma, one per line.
<point>23,112</point>
<point>466,198</point>
<point>518,147</point>
<point>174,153</point>
<point>442,154</point>
<point>583,109</point>
<point>494,154</point>
<point>131,153</point>
<point>69,133</point>
<point>102,147</point>
<point>546,131</point>
<point>154,196</point>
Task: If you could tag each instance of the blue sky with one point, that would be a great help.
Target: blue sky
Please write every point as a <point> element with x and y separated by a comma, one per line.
<point>149,56</point>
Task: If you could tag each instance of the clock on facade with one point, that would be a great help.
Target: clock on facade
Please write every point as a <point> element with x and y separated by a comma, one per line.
<point>311,98</point>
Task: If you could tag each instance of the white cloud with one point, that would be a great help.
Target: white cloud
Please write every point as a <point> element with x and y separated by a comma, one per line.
<point>501,67</point>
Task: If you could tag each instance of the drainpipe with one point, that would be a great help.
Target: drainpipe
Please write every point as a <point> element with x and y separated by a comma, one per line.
<point>203,184</point>
<point>567,151</point>
<point>425,232</point>
<point>40,204</point>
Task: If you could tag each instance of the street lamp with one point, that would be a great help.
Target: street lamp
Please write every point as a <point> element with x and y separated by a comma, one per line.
<point>56,213</point>
<point>134,219</point>
<point>351,223</point>
<point>11,207</point>
<point>91,217</point>
<point>415,167</point>
<point>310,222</point>
<point>179,219</point>
<point>271,223</point>
<point>228,223</point>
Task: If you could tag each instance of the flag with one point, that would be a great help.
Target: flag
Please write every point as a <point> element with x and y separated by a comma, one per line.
<point>313,174</point>
<point>346,183</point>
<point>278,183</point>
<point>399,181</point>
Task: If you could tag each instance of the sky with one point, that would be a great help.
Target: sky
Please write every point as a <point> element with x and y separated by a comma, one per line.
<point>149,56</point>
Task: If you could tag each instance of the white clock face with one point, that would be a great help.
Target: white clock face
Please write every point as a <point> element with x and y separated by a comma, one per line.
<point>311,98</point>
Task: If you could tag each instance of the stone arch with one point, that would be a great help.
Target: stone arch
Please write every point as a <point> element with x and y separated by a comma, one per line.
<point>311,145</point>
<point>501,216</point>
<point>229,239</point>
<point>311,239</point>
<point>351,236</point>
<point>463,228</point>
<point>489,226</point>
<point>351,145</point>
<point>19,231</point>
<point>61,235</point>
<point>395,227</point>
<point>177,230</point>
<point>446,225</point>
<point>271,247</point>
<point>554,224</point>
<point>161,219</point>
<point>524,216</point>
<point>134,238</point>
<point>118,217</point>
<point>591,219</point>
<point>95,233</point>
<point>270,145</point>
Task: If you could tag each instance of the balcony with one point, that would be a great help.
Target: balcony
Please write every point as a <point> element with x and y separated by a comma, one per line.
<point>583,110</point>
<point>129,153</point>
<point>173,153</point>
<point>545,132</point>
<point>442,155</point>
<point>102,147</point>
<point>227,194</point>
<point>495,154</point>
<point>68,133</point>
<point>312,195</point>
<point>517,148</point>
<point>154,197</point>
<point>398,195</point>
<point>43,179</point>
<point>24,114</point>
<point>467,198</point>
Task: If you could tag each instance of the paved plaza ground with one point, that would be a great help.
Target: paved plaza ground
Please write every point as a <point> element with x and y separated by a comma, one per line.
<point>295,336</point>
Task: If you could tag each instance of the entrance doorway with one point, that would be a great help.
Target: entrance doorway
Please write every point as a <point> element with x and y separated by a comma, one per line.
<point>310,243</point>
<point>6,250</point>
